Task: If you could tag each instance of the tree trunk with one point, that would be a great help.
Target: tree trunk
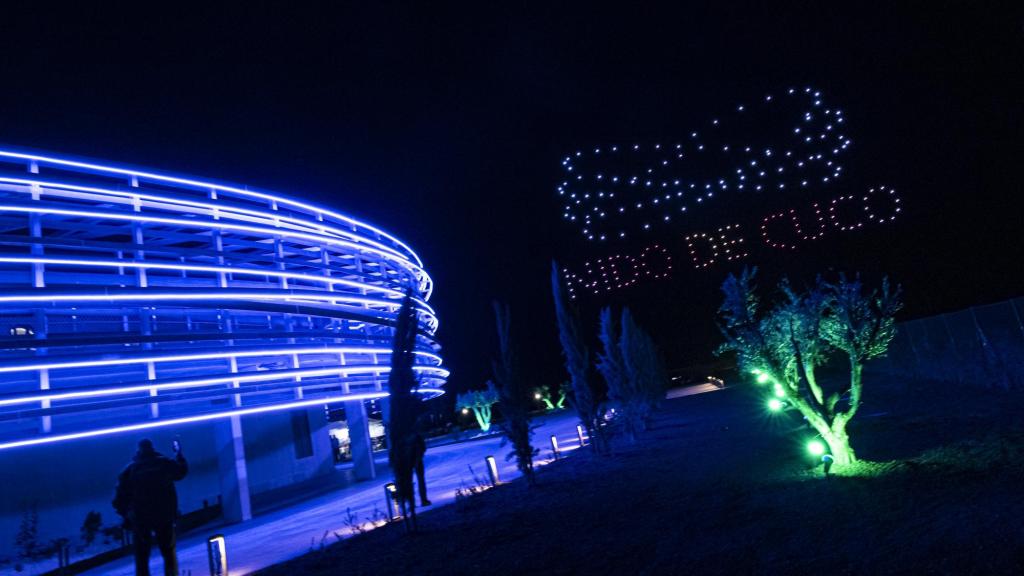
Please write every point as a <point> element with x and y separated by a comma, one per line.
<point>483,421</point>
<point>839,444</point>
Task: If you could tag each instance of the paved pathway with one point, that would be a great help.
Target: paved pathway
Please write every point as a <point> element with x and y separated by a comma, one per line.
<point>291,531</point>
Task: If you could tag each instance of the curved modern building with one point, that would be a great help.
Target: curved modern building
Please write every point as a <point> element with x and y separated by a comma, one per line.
<point>135,300</point>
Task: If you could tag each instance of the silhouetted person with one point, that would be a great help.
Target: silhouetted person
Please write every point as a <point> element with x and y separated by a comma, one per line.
<point>148,502</point>
<point>419,448</point>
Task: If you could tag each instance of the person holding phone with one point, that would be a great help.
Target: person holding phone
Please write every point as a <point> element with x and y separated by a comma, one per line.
<point>147,500</point>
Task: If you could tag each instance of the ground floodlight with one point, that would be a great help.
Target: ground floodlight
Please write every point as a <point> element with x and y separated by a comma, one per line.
<point>816,447</point>
<point>775,404</point>
<point>762,378</point>
<point>827,460</point>
<point>779,390</point>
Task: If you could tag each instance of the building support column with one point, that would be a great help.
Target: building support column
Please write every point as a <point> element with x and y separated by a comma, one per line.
<point>360,441</point>
<point>234,478</point>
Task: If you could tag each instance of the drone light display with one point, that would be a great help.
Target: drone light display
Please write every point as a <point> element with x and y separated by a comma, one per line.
<point>135,300</point>
<point>788,144</point>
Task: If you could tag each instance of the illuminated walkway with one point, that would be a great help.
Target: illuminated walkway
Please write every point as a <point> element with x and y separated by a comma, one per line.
<point>289,532</point>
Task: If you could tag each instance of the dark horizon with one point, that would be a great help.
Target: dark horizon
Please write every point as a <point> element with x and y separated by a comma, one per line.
<point>447,130</point>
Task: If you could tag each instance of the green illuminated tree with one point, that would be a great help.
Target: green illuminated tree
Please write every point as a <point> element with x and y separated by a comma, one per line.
<point>784,345</point>
<point>563,393</point>
<point>479,402</point>
<point>543,393</point>
<point>514,396</point>
<point>584,398</point>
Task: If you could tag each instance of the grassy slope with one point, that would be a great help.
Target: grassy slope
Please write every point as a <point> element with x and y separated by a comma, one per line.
<point>718,487</point>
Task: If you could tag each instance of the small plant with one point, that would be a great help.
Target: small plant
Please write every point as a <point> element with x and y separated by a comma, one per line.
<point>378,518</point>
<point>26,541</point>
<point>477,479</point>
<point>112,534</point>
<point>351,521</point>
<point>91,527</point>
<point>322,545</point>
<point>464,491</point>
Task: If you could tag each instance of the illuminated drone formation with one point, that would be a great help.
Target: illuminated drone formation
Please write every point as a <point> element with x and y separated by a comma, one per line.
<point>615,191</point>
<point>620,271</point>
<point>136,300</point>
<point>789,143</point>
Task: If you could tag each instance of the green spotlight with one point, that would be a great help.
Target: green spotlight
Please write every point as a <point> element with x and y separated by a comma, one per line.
<point>815,447</point>
<point>762,378</point>
<point>779,391</point>
<point>775,404</point>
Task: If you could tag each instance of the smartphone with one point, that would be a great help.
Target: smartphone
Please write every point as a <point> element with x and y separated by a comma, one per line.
<point>176,445</point>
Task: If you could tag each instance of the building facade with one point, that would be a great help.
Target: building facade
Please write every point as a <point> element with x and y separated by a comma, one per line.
<point>135,303</point>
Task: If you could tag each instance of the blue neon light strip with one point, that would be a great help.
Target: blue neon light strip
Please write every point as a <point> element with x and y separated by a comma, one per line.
<point>204,185</point>
<point>148,265</point>
<point>51,188</point>
<point>197,295</point>
<point>204,418</point>
<point>305,243</point>
<point>228,378</point>
<point>213,224</point>
<point>272,351</point>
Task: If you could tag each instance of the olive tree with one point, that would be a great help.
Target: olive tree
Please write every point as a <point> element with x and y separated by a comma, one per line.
<point>784,344</point>
<point>479,402</point>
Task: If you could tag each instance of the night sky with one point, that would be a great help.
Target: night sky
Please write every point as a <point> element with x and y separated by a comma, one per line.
<point>447,126</point>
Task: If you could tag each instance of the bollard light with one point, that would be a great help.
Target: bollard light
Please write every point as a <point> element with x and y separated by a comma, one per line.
<point>492,470</point>
<point>391,499</point>
<point>579,433</point>
<point>217,554</point>
<point>554,446</point>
